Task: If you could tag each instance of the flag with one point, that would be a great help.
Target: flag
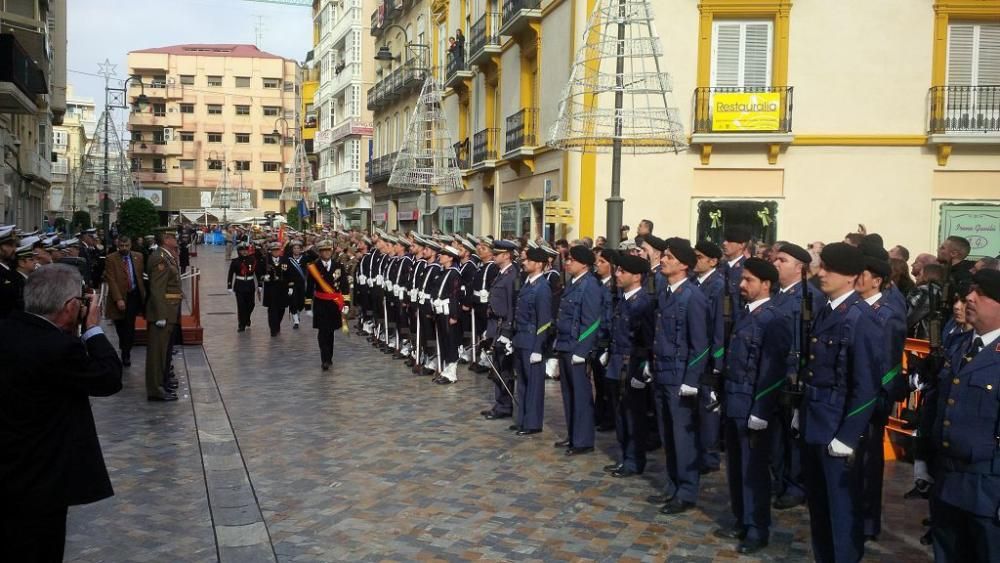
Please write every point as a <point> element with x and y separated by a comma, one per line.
<point>281,234</point>
<point>303,210</point>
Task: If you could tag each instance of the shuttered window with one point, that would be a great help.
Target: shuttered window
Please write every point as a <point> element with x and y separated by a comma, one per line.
<point>741,53</point>
<point>974,54</point>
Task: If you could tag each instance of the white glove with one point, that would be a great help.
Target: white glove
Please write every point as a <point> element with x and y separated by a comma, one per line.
<point>161,323</point>
<point>535,358</point>
<point>604,359</point>
<point>231,290</point>
<point>362,279</point>
<point>503,340</point>
<point>839,449</point>
<point>712,397</point>
<point>577,360</point>
<point>920,471</point>
<point>551,367</point>
<point>915,383</point>
<point>795,420</point>
<point>636,383</point>
<point>345,310</point>
<point>647,372</point>
<point>267,277</point>
<point>290,292</point>
<point>688,391</point>
<point>484,296</point>
<point>379,280</point>
<point>754,423</point>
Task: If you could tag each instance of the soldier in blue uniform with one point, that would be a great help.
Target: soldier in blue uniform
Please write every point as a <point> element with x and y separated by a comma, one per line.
<point>754,375</point>
<point>577,323</point>
<point>604,388</point>
<point>680,354</point>
<point>467,266</point>
<point>966,460</point>
<point>709,279</point>
<point>328,287</point>
<point>413,300</point>
<point>400,292</point>
<point>841,389</point>
<point>532,323</point>
<point>478,298</point>
<point>735,241</point>
<point>425,306</point>
<point>631,334</point>
<point>501,298</point>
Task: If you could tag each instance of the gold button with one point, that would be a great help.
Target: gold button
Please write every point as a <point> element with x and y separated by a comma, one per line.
<point>947,423</point>
<point>955,381</point>
<point>951,401</point>
<point>988,387</point>
<point>814,339</point>
<point>812,356</point>
<point>945,444</point>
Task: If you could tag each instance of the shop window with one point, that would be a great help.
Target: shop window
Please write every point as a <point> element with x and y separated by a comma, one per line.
<point>758,216</point>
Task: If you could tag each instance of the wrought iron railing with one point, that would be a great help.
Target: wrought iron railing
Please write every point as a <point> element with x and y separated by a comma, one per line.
<point>522,129</point>
<point>380,168</point>
<point>484,145</point>
<point>486,31</point>
<point>511,8</point>
<point>748,109</point>
<point>964,109</point>
<point>462,154</point>
<point>457,62</point>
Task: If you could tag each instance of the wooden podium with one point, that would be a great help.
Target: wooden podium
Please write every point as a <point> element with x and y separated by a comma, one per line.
<point>191,330</point>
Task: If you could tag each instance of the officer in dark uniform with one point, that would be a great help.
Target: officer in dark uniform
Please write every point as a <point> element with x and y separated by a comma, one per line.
<point>680,354</point>
<point>631,334</point>
<point>966,458</point>
<point>425,308</point>
<point>416,281</point>
<point>277,287</point>
<point>735,241</point>
<point>501,299</point>
<point>294,271</point>
<point>94,255</point>
<point>754,376</point>
<point>329,288</point>
<point>841,389</point>
<point>400,292</point>
<point>478,298</point>
<point>532,323</point>
<point>446,301</point>
<point>604,411</point>
<point>242,282</point>
<point>8,277</point>
<point>577,324</point>
<point>707,277</point>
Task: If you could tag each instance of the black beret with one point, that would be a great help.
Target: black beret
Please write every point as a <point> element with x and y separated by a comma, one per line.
<point>797,252</point>
<point>709,248</point>
<point>537,255</point>
<point>843,258</point>
<point>633,264</point>
<point>582,254</point>
<point>988,282</point>
<point>655,242</point>
<point>682,251</point>
<point>876,258</point>
<point>873,238</point>
<point>611,255</point>
<point>736,233</point>
<point>761,269</point>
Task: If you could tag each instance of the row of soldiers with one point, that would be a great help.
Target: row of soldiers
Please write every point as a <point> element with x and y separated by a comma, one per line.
<point>798,375</point>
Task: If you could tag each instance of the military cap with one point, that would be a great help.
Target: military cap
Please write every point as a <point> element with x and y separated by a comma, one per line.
<point>451,251</point>
<point>418,240</point>
<point>582,254</point>
<point>876,258</point>
<point>8,235</point>
<point>167,230</point>
<point>402,241</point>
<point>274,246</point>
<point>242,246</point>
<point>325,244</point>
<point>626,245</point>
<point>537,255</point>
<point>843,258</point>
<point>469,244</point>
<point>148,237</point>
<point>761,269</point>
<point>736,233</point>
<point>69,243</point>
<point>432,244</point>
<point>27,248</point>
<point>709,248</point>
<point>532,243</point>
<point>50,242</point>
<point>487,240</point>
<point>611,255</point>
<point>682,251</point>
<point>655,242</point>
<point>501,245</point>
<point>389,239</point>
<point>797,252</point>
<point>296,242</point>
<point>472,238</point>
<point>988,283</point>
<point>549,250</point>
<point>633,264</point>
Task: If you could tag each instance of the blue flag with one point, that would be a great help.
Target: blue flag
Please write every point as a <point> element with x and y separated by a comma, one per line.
<point>303,210</point>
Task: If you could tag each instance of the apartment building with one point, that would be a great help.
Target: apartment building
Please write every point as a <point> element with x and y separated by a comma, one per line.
<point>342,143</point>
<point>32,100</point>
<point>211,107</point>
<point>70,142</point>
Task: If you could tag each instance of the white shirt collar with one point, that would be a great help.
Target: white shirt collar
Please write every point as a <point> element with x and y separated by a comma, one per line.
<point>703,277</point>
<point>327,263</point>
<point>791,287</point>
<point>505,268</point>
<point>531,279</point>
<point>988,338</point>
<point>757,303</point>
<point>629,294</point>
<point>674,286</point>
<point>836,302</point>
<point>604,281</point>
<point>732,263</point>
<point>874,298</point>
<point>577,278</point>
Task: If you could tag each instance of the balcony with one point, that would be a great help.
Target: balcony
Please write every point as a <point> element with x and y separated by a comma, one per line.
<point>484,149</point>
<point>379,169</point>
<point>484,39</point>
<point>349,73</point>
<point>155,91</point>
<point>348,127</point>
<point>377,24</point>
<point>150,175</point>
<point>462,154</point>
<point>522,134</point>
<point>20,78</point>
<point>965,111</point>
<point>406,78</point>
<point>748,115</point>
<point>382,17</point>
<point>519,14</point>
<point>39,168</point>
<point>457,73</point>
<point>157,147</point>
<point>350,18</point>
<point>346,182</point>
<point>150,119</point>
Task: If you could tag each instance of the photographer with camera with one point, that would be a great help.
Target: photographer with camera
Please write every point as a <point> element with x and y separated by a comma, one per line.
<point>51,457</point>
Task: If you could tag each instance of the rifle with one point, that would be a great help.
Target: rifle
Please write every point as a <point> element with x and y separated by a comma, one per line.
<point>710,378</point>
<point>791,395</point>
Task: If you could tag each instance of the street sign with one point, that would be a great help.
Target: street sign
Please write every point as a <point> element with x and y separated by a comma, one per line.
<point>559,212</point>
<point>324,201</point>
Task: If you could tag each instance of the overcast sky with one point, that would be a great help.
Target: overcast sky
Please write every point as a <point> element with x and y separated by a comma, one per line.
<point>109,29</point>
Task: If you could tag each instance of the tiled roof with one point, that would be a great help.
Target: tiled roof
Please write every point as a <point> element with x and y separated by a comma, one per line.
<point>213,50</point>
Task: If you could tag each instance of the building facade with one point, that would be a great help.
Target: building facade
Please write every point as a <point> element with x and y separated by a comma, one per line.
<point>70,142</point>
<point>32,100</point>
<point>343,139</point>
<point>212,107</point>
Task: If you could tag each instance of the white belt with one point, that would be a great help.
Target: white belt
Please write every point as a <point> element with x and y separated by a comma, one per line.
<point>244,278</point>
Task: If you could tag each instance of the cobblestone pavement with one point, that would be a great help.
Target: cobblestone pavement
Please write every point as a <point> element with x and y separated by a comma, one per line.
<point>368,462</point>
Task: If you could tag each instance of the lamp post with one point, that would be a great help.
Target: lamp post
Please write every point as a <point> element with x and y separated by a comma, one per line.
<point>116,98</point>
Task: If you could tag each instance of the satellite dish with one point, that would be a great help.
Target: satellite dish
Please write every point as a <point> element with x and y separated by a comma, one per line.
<point>421,203</point>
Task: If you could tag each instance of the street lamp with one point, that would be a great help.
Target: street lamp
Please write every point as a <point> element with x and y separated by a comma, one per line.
<point>116,98</point>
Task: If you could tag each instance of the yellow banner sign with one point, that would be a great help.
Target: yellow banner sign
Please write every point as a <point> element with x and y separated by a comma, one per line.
<point>744,111</point>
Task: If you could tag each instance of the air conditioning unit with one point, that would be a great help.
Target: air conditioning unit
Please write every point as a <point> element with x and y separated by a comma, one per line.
<point>171,80</point>
<point>168,134</point>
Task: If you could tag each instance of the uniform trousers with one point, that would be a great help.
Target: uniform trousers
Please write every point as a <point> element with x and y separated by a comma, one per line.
<point>578,401</point>
<point>631,428</point>
<point>275,313</point>
<point>749,482</point>
<point>244,305</point>
<point>503,404</point>
<point>604,411</point>
<point>873,468</point>
<point>325,317</point>
<point>530,390</point>
<point>125,327</point>
<point>834,490</point>
<point>709,430</point>
<point>675,418</point>
<point>963,537</point>
<point>786,457</point>
<point>157,358</point>
<point>447,342</point>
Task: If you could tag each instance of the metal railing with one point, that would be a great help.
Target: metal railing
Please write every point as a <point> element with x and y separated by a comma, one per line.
<point>522,129</point>
<point>486,31</point>
<point>457,62</point>
<point>512,8</point>
<point>407,77</point>
<point>484,145</point>
<point>380,168</point>
<point>964,109</point>
<point>771,113</point>
<point>462,154</point>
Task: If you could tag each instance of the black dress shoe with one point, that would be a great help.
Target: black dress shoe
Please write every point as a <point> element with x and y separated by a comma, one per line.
<point>166,397</point>
<point>784,502</point>
<point>707,470</point>
<point>485,412</point>
<point>273,334</point>
<point>578,451</point>
<point>871,537</point>
<point>495,415</point>
<point>747,547</point>
<point>562,444</point>
<point>325,366</point>
<point>676,506</point>
<point>241,329</point>
<point>513,427</point>
<point>445,381</point>
<point>734,533</point>
<point>624,473</point>
<point>410,363</point>
<point>613,467</point>
<point>528,432</point>
<point>659,499</point>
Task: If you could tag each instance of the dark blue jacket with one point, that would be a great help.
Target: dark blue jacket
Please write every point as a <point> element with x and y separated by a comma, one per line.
<point>892,322</point>
<point>533,318</point>
<point>500,308</point>
<point>756,362</point>
<point>714,288</point>
<point>579,318</point>
<point>680,349</point>
<point>631,332</point>
<point>731,276</point>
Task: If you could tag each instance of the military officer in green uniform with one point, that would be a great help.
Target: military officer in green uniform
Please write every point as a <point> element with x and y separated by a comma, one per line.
<point>162,312</point>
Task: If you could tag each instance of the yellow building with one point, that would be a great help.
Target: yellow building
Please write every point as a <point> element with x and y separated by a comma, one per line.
<point>69,146</point>
<point>212,106</point>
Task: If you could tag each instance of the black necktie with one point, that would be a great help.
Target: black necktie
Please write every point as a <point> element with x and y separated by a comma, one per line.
<point>977,345</point>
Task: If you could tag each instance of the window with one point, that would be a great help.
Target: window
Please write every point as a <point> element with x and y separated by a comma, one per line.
<point>187,136</point>
<point>741,53</point>
<point>60,165</point>
<point>272,139</point>
<point>242,81</point>
<point>215,81</point>
<point>271,194</point>
<point>242,110</point>
<point>214,109</point>
<point>243,165</point>
<point>137,135</point>
<point>215,137</point>
<point>243,138</point>
<point>187,79</point>
<point>974,54</point>
<point>60,139</point>
<point>215,165</point>
<point>187,164</point>
<point>158,165</point>
<point>271,111</point>
<point>160,110</point>
<point>272,166</point>
<point>187,108</point>
<point>737,212</point>
<point>158,81</point>
<point>272,83</point>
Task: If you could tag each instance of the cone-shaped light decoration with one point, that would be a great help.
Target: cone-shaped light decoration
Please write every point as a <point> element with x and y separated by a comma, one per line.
<point>618,90</point>
<point>224,195</point>
<point>99,168</point>
<point>298,181</point>
<point>427,158</point>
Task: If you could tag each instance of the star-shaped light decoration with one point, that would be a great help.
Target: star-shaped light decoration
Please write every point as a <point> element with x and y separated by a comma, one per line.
<point>107,69</point>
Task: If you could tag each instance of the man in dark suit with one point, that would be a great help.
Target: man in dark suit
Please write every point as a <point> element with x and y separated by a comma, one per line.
<point>126,293</point>
<point>329,289</point>
<point>50,457</point>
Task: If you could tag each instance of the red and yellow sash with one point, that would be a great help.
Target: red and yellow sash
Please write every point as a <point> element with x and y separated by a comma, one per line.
<point>326,293</point>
